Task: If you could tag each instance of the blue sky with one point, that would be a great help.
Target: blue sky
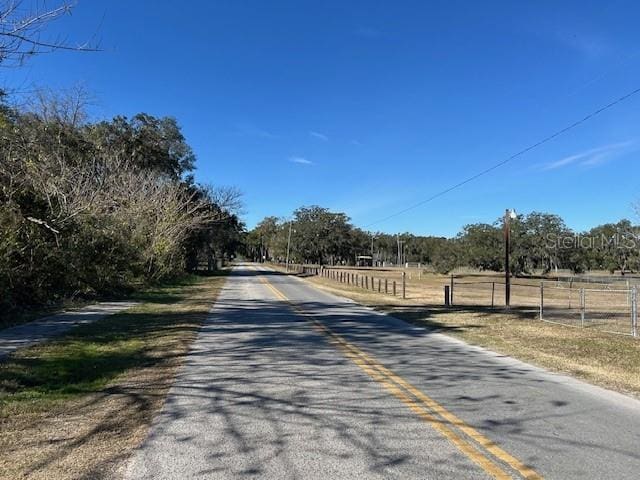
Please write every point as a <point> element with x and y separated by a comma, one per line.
<point>370,107</point>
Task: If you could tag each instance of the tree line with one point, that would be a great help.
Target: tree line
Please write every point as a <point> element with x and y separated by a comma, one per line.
<point>540,243</point>
<point>96,207</point>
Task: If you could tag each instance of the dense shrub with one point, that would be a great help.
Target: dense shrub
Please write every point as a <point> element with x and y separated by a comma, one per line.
<point>91,209</point>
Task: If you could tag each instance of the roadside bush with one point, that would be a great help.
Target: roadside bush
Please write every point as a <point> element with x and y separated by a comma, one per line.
<point>94,209</point>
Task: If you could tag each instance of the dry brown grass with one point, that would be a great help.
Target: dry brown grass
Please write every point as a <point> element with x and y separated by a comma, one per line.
<point>83,425</point>
<point>603,359</point>
<point>607,306</point>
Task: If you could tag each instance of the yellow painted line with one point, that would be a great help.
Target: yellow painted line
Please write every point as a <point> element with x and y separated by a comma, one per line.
<point>471,452</point>
<point>524,470</point>
<point>391,382</point>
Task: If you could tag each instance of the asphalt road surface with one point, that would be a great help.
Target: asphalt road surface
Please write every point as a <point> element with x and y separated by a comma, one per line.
<point>288,382</point>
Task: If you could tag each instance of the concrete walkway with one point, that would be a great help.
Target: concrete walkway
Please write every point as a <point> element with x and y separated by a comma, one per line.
<point>46,328</point>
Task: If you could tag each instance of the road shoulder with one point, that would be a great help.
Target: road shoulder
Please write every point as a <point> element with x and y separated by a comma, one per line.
<point>75,407</point>
<point>599,359</point>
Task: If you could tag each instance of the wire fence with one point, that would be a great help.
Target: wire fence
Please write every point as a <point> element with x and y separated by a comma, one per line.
<point>607,307</point>
<point>365,281</point>
<point>612,310</point>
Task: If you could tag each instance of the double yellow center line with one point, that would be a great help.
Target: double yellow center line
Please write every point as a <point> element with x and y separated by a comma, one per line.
<point>485,453</point>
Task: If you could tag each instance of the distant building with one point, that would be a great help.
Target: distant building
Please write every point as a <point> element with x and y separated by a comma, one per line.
<point>364,261</point>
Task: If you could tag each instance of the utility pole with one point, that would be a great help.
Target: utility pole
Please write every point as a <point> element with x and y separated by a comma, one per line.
<point>288,246</point>
<point>400,252</point>
<point>262,255</point>
<point>508,216</point>
<point>372,238</point>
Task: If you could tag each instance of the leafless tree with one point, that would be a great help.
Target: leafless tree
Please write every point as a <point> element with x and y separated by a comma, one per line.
<point>22,26</point>
<point>228,199</point>
<point>64,107</point>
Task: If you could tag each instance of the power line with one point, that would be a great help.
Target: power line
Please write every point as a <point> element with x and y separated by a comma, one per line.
<point>512,157</point>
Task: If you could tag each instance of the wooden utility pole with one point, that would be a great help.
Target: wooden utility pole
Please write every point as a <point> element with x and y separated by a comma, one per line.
<point>508,215</point>
<point>400,252</point>
<point>372,237</point>
<point>288,246</point>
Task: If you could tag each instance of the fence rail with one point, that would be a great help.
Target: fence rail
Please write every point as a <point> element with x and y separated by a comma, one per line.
<point>606,307</point>
<point>613,310</point>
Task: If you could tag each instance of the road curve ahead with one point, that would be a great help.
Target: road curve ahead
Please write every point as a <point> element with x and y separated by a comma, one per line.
<point>288,382</point>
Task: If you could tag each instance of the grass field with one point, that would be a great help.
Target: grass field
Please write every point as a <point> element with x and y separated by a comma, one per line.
<point>607,306</point>
<point>76,406</point>
<point>607,360</point>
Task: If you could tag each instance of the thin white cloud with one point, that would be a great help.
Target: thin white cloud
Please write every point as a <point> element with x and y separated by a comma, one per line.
<point>592,157</point>
<point>356,143</point>
<point>300,160</point>
<point>319,136</point>
<point>250,130</point>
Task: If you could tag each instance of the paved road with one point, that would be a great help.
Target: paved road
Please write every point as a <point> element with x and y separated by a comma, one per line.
<point>46,328</point>
<point>288,382</point>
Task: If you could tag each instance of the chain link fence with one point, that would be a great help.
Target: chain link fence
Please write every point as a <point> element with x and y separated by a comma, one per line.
<point>612,310</point>
<point>608,307</point>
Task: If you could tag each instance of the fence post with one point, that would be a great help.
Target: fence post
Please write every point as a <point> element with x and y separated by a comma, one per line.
<point>366,282</point>
<point>386,285</point>
<point>394,288</point>
<point>634,312</point>
<point>447,296</point>
<point>583,301</point>
<point>541,300</point>
<point>493,293</point>
<point>404,285</point>
<point>451,290</point>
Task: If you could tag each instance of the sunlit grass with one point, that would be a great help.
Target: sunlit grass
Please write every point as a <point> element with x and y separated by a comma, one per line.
<point>91,356</point>
<point>611,361</point>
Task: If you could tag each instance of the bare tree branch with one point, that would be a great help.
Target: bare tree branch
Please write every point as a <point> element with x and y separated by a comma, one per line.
<point>21,30</point>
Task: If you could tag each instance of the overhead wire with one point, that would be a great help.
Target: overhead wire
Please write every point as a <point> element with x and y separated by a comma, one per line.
<point>509,159</point>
